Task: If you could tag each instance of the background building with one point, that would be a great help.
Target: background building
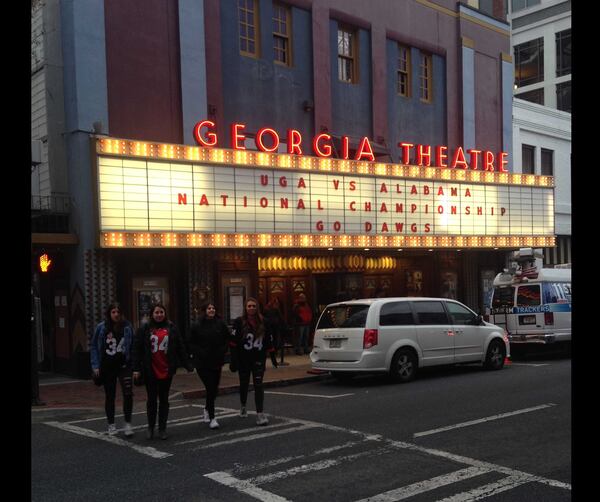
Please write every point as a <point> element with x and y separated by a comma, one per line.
<point>541,41</point>
<point>431,73</point>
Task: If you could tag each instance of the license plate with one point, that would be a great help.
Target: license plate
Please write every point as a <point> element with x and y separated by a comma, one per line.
<point>527,319</point>
<point>335,344</point>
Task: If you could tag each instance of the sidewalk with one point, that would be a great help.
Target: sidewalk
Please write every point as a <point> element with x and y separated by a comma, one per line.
<point>59,391</point>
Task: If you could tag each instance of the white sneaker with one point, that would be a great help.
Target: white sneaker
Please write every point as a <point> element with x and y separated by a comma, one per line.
<point>128,430</point>
<point>214,424</point>
<point>112,429</point>
<point>243,412</point>
<point>206,417</point>
<point>261,419</point>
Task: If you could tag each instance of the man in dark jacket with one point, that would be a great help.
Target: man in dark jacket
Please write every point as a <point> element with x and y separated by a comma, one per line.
<point>303,316</point>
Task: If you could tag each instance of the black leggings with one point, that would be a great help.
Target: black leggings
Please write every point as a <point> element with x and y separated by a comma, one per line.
<point>258,370</point>
<point>210,378</point>
<point>158,390</point>
<point>110,377</point>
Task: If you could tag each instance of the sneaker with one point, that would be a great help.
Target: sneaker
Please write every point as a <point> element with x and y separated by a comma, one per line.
<point>163,434</point>
<point>243,412</point>
<point>128,430</point>
<point>112,429</point>
<point>214,424</point>
<point>261,419</point>
<point>206,417</point>
<point>150,433</point>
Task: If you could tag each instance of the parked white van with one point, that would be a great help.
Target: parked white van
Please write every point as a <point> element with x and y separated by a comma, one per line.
<point>400,335</point>
<point>534,308</point>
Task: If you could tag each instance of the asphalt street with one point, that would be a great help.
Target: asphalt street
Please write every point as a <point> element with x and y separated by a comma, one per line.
<point>454,434</point>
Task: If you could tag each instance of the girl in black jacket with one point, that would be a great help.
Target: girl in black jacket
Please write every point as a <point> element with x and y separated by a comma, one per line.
<point>252,341</point>
<point>208,345</point>
<point>158,350</point>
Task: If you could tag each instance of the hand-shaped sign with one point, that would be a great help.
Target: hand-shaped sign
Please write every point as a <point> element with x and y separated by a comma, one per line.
<point>45,262</point>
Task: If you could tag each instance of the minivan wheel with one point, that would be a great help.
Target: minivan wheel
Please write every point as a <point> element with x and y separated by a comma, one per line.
<point>494,358</point>
<point>404,366</point>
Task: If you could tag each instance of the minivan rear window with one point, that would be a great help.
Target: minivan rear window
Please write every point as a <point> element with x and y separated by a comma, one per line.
<point>344,316</point>
<point>396,314</point>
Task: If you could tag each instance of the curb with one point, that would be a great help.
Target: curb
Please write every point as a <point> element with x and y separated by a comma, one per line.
<point>231,389</point>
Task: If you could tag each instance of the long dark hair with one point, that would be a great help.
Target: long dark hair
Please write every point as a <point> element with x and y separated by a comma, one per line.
<point>108,322</point>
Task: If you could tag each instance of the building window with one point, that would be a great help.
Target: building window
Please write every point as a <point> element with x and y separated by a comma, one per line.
<point>528,159</point>
<point>535,96</point>
<point>563,96</point>
<point>523,4</point>
<point>529,62</point>
<point>248,14</point>
<point>282,34</point>
<point>347,55</point>
<point>563,53</point>
<point>547,162</point>
<point>426,78</point>
<point>403,70</point>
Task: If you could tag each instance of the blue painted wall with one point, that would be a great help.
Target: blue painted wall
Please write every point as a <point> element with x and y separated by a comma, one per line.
<point>259,92</point>
<point>409,119</point>
<point>351,104</point>
<point>193,65</point>
<point>85,93</point>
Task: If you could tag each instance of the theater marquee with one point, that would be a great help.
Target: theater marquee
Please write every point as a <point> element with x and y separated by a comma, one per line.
<point>159,195</point>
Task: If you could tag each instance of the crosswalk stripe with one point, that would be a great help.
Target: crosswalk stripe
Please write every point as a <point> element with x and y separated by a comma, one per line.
<point>235,433</point>
<point>146,450</point>
<point>427,485</point>
<point>490,489</point>
<point>245,487</point>
<point>253,437</point>
<point>284,460</point>
<point>315,466</point>
<point>478,463</point>
<point>306,395</point>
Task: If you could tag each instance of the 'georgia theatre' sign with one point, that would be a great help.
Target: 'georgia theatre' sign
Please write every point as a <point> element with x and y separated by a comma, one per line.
<point>268,140</point>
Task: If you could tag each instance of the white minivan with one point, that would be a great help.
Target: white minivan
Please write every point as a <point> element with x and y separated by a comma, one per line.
<point>400,335</point>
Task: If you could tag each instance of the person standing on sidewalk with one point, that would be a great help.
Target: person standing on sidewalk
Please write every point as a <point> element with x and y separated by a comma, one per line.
<point>207,344</point>
<point>303,316</point>
<point>110,358</point>
<point>272,314</point>
<point>158,349</point>
<point>252,339</point>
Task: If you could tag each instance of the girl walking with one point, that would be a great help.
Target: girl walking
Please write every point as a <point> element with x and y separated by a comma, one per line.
<point>252,341</point>
<point>110,357</point>
<point>208,345</point>
<point>158,350</point>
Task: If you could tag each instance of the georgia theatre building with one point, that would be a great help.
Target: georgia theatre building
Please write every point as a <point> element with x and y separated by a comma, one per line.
<point>225,149</point>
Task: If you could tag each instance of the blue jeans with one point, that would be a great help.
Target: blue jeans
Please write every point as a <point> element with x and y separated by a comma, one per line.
<point>302,339</point>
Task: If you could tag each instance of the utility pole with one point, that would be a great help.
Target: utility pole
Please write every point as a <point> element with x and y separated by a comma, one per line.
<point>35,385</point>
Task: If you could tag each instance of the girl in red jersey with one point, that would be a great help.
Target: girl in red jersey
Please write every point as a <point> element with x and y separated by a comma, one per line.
<point>158,350</point>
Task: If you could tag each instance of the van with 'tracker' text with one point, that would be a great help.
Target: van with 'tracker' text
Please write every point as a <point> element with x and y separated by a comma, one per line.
<point>533,309</point>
